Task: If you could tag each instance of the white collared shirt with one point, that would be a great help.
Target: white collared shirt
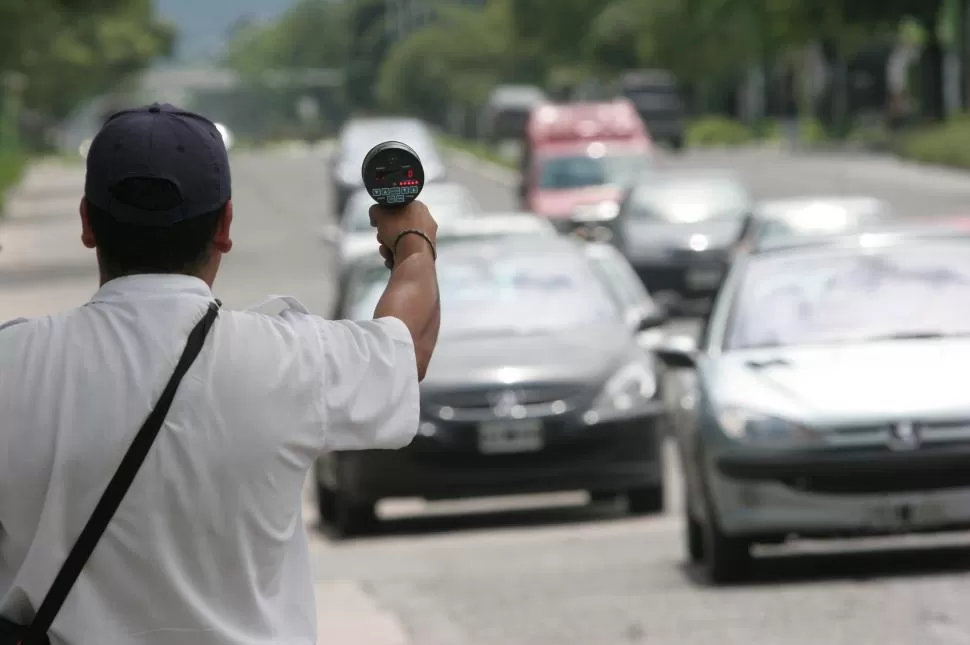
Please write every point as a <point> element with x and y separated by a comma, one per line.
<point>209,545</point>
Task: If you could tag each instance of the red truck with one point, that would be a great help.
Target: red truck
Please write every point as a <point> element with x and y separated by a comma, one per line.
<point>577,159</point>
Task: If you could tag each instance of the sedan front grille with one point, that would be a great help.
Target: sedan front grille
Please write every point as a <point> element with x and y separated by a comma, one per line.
<point>487,398</point>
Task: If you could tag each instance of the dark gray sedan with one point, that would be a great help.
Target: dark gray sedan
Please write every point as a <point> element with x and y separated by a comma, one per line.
<point>827,396</point>
<point>677,229</point>
<point>538,384</point>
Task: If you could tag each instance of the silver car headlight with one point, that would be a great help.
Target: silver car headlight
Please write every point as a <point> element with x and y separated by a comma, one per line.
<point>743,424</point>
<point>630,387</point>
<point>602,212</point>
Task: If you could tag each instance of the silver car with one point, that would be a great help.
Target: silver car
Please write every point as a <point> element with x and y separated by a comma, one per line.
<point>772,220</point>
<point>827,396</point>
<point>355,235</point>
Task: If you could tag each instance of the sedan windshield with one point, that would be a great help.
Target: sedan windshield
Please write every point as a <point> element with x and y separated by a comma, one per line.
<point>509,293</point>
<point>564,173</point>
<point>687,201</point>
<point>915,291</point>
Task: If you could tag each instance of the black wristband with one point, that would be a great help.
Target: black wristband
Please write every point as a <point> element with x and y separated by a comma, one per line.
<point>414,231</point>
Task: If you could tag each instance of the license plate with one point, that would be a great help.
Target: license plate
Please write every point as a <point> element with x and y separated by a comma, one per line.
<point>904,515</point>
<point>498,437</point>
<point>701,278</point>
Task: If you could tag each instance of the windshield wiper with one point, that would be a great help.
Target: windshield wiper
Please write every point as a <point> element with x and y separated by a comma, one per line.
<point>905,335</point>
<point>776,361</point>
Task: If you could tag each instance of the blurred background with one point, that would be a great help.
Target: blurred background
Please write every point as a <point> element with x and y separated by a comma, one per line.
<point>702,268</point>
<point>851,72</point>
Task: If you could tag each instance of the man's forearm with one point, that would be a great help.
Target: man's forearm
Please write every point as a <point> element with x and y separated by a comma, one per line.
<point>412,296</point>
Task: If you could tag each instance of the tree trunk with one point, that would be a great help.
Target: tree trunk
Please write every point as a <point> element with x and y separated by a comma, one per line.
<point>931,66</point>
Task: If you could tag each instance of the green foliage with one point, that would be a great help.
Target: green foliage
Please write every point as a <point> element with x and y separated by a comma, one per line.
<point>86,54</point>
<point>451,63</point>
<point>11,167</point>
<point>946,144</point>
<point>714,131</point>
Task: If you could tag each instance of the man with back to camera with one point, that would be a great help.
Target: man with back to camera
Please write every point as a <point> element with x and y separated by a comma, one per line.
<point>208,545</point>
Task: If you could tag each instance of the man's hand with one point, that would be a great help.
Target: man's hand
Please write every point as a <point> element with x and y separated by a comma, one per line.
<point>391,222</point>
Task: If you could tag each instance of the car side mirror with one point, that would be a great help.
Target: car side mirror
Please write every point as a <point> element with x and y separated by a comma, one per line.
<point>653,319</point>
<point>678,352</point>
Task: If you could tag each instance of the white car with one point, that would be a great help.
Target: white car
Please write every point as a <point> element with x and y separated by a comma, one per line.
<point>355,236</point>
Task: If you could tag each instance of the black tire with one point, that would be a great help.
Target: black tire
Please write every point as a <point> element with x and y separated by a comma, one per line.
<point>352,518</point>
<point>677,143</point>
<point>645,501</point>
<point>326,504</point>
<point>726,559</point>
<point>693,533</point>
<point>603,496</point>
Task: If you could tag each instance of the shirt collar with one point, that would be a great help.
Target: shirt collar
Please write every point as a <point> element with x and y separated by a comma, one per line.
<point>151,285</point>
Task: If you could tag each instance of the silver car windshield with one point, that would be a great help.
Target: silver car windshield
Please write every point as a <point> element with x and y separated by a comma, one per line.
<point>686,201</point>
<point>508,292</point>
<point>859,296</point>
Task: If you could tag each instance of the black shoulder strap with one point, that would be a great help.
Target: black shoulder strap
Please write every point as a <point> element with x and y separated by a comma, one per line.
<point>118,486</point>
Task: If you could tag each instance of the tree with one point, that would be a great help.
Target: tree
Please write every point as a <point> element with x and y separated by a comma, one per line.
<point>451,64</point>
<point>64,52</point>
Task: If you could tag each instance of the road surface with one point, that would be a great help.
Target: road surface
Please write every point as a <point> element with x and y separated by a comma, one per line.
<point>501,572</point>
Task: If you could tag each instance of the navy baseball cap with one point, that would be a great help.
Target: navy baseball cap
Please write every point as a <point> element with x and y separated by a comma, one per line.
<point>158,142</point>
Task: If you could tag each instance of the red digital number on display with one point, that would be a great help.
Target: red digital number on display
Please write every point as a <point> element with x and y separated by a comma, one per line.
<point>410,173</point>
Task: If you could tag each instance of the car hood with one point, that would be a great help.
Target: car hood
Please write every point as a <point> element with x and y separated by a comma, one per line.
<point>578,356</point>
<point>921,379</point>
<point>561,203</point>
<point>649,236</point>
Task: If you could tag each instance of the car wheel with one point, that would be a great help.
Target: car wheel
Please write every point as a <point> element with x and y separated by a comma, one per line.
<point>726,559</point>
<point>693,533</point>
<point>326,504</point>
<point>602,496</point>
<point>645,501</point>
<point>352,518</point>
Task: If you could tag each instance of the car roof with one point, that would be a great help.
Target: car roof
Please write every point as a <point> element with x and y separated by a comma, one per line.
<point>523,245</point>
<point>662,176</point>
<point>794,206</point>
<point>497,224</point>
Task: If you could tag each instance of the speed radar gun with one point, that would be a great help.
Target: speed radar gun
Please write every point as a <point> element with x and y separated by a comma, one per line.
<point>392,174</point>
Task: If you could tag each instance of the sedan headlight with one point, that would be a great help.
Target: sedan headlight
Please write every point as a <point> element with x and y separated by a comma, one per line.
<point>747,425</point>
<point>602,212</point>
<point>629,388</point>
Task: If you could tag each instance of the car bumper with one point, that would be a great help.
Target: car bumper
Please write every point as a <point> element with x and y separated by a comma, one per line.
<point>609,456</point>
<point>836,493</point>
<point>695,277</point>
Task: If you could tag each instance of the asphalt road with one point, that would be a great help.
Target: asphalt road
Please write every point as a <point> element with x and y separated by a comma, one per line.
<point>538,570</point>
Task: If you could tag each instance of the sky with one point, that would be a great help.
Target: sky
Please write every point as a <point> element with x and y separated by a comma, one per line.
<point>203,24</point>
